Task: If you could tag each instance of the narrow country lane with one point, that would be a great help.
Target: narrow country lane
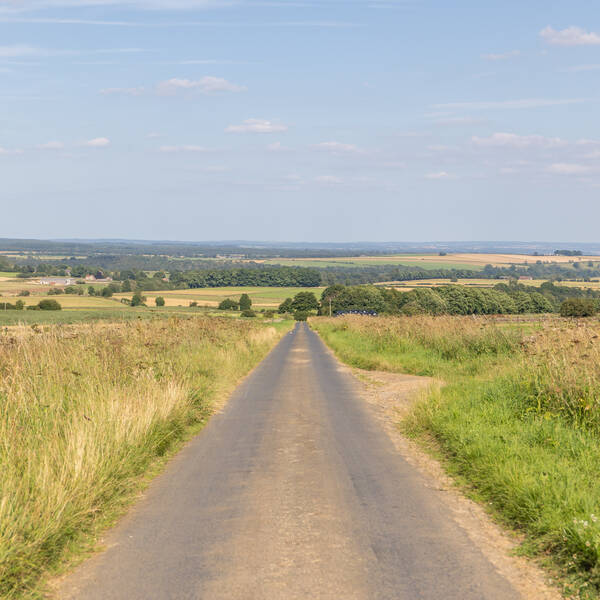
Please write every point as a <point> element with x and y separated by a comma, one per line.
<point>293,491</point>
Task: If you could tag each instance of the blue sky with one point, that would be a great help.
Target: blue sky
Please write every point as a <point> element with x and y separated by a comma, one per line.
<point>300,120</point>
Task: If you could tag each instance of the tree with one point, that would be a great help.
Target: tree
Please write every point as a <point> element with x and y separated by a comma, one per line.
<point>24,293</point>
<point>285,306</point>
<point>107,292</point>
<point>160,301</point>
<point>245,302</point>
<point>126,287</point>
<point>137,299</point>
<point>91,290</point>
<point>305,302</point>
<point>228,304</point>
<point>300,315</point>
<point>49,305</point>
<point>578,307</point>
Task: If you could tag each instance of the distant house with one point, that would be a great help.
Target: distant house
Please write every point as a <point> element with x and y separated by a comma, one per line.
<point>56,281</point>
<point>525,277</point>
<point>94,279</point>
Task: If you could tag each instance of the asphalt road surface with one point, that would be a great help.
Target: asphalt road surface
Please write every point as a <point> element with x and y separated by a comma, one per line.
<point>293,491</point>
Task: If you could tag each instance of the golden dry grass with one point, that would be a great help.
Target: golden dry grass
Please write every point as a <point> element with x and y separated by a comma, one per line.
<point>86,409</point>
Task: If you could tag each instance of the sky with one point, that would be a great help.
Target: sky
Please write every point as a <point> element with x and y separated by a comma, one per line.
<point>300,120</point>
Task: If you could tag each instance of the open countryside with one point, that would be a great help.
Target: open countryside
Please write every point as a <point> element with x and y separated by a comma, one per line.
<point>299,300</point>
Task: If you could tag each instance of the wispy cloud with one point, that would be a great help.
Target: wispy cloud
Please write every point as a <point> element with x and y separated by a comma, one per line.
<point>512,140</point>
<point>582,68</point>
<point>257,126</point>
<point>277,147</point>
<point>338,148</point>
<point>571,36</point>
<point>184,148</point>
<point>21,51</point>
<point>99,142</point>
<point>6,151</point>
<point>206,85</point>
<point>133,91</point>
<point>438,175</point>
<point>569,169</point>
<point>510,104</point>
<point>502,55</point>
<point>329,179</point>
<point>51,146</point>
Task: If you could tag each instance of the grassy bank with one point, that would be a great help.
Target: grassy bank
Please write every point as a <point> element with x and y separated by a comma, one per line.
<point>518,420</point>
<point>87,410</point>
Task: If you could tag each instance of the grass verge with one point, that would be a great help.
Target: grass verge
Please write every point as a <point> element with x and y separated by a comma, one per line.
<point>88,410</point>
<point>518,421</point>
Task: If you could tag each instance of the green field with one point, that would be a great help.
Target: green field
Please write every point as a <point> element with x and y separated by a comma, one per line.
<point>262,297</point>
<point>389,261</point>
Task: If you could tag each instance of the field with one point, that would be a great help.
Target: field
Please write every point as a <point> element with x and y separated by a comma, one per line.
<point>516,418</point>
<point>472,261</point>
<point>89,411</point>
<point>262,297</point>
<point>481,283</point>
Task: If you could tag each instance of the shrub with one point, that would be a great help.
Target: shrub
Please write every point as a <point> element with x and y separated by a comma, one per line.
<point>24,293</point>
<point>301,315</point>
<point>71,289</point>
<point>269,314</point>
<point>138,300</point>
<point>48,304</point>
<point>106,292</point>
<point>55,291</point>
<point>160,301</point>
<point>228,304</point>
<point>578,307</point>
<point>245,302</point>
<point>285,306</point>
<point>248,313</point>
<point>193,304</point>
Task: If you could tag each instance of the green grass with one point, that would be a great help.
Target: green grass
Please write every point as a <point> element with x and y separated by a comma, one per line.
<point>517,422</point>
<point>357,262</point>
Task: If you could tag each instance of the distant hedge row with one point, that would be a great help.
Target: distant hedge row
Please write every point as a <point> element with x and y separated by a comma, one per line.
<point>451,300</point>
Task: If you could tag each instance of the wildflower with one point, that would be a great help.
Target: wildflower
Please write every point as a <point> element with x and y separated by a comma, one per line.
<point>588,544</point>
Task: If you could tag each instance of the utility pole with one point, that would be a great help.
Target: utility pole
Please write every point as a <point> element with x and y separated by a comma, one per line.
<point>330,306</point>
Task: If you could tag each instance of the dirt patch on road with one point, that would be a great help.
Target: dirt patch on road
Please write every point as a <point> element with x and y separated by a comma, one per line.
<point>390,396</point>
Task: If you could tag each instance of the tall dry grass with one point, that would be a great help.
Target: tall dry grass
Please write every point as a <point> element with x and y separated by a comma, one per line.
<point>85,410</point>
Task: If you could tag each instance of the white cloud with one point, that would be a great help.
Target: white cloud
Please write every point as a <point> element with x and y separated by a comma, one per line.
<point>501,56</point>
<point>185,148</point>
<point>51,146</point>
<point>206,85</point>
<point>329,179</point>
<point>256,126</point>
<point>20,51</point>
<point>133,91</point>
<point>512,140</point>
<point>582,68</point>
<point>571,36</point>
<point>6,151</point>
<point>100,142</point>
<point>568,169</point>
<point>511,104</point>
<point>152,135</point>
<point>277,147</point>
<point>440,175</point>
<point>338,147</point>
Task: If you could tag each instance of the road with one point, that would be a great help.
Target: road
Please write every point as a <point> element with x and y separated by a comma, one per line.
<point>293,491</point>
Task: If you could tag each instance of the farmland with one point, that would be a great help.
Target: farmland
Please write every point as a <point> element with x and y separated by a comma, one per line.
<point>471,261</point>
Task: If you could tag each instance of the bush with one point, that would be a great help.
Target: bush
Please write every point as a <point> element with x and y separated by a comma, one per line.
<point>578,307</point>
<point>160,301</point>
<point>138,300</point>
<point>71,289</point>
<point>24,293</point>
<point>55,291</point>
<point>193,304</point>
<point>245,302</point>
<point>269,314</point>
<point>106,292</point>
<point>285,306</point>
<point>248,313</point>
<point>49,305</point>
<point>301,315</point>
<point>228,304</point>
